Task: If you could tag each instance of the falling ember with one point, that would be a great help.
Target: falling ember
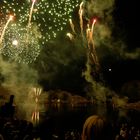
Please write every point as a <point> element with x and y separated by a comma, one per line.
<point>81,17</point>
<point>81,4</point>
<point>94,21</point>
<point>6,25</point>
<point>89,36</point>
<point>72,26</point>
<point>88,32</point>
<point>35,114</point>
<point>91,47</point>
<point>70,36</point>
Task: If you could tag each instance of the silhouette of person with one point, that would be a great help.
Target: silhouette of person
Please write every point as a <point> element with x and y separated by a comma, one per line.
<point>96,128</point>
<point>8,109</point>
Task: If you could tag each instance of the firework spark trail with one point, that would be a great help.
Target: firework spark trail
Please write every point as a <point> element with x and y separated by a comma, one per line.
<point>89,36</point>
<point>91,47</point>
<point>72,26</point>
<point>93,24</point>
<point>30,15</point>
<point>51,16</point>
<point>6,25</point>
<point>30,18</point>
<point>70,36</point>
<point>81,18</point>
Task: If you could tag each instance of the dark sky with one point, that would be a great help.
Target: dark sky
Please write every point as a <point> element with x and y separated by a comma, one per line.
<point>126,17</point>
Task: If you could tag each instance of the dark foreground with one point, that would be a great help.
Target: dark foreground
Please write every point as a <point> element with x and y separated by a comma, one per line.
<point>65,123</point>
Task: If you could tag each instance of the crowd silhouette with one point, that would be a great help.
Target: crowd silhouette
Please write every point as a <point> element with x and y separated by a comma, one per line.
<point>95,127</point>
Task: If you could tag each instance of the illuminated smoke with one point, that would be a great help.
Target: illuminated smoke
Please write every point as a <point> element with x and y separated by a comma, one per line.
<point>18,79</point>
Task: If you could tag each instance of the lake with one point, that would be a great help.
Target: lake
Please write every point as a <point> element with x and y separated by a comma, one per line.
<point>61,118</point>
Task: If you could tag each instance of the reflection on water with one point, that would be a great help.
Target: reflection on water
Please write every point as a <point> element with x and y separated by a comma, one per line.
<point>60,119</point>
<point>65,116</point>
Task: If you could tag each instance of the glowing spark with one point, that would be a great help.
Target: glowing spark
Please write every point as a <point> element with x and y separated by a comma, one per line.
<point>31,12</point>
<point>94,21</point>
<point>29,21</point>
<point>88,32</point>
<point>81,4</point>
<point>6,25</point>
<point>72,26</point>
<point>91,47</point>
<point>70,36</point>
<point>15,42</point>
<point>51,16</point>
<point>81,17</point>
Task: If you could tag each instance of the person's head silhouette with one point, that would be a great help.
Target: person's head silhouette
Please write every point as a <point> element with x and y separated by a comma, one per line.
<point>11,100</point>
<point>95,128</point>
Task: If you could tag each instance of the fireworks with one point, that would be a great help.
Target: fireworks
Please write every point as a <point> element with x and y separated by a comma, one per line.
<point>16,47</point>
<point>86,34</point>
<point>91,47</point>
<point>4,29</point>
<point>36,93</point>
<point>81,17</point>
<point>18,41</point>
<point>72,26</point>
<point>50,16</point>
<point>70,36</point>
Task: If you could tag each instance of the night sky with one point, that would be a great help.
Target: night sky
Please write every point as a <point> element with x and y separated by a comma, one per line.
<point>126,15</point>
<point>60,63</point>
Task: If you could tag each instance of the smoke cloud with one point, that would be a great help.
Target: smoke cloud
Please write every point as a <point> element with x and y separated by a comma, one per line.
<point>19,80</point>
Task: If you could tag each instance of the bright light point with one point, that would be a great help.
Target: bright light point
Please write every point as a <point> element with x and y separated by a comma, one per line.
<point>109,69</point>
<point>81,4</point>
<point>11,17</point>
<point>15,42</point>
<point>94,21</point>
<point>35,10</point>
<point>70,36</point>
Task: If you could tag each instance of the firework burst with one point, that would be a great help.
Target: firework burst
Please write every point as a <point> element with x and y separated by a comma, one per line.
<point>50,16</point>
<point>16,46</point>
<point>19,42</point>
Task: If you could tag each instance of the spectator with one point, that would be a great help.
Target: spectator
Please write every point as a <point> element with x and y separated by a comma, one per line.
<point>8,109</point>
<point>96,128</point>
<point>1,137</point>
